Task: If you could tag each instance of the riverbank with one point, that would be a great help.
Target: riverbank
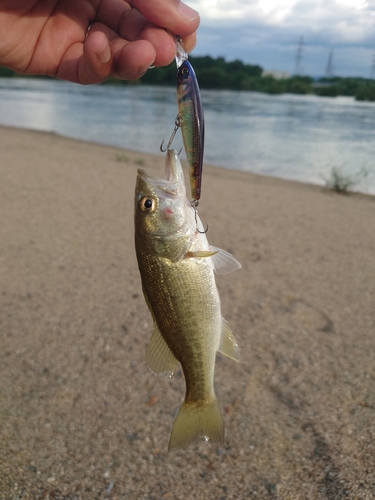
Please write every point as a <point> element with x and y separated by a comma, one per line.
<point>81,417</point>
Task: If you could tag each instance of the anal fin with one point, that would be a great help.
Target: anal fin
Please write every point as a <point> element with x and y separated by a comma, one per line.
<point>159,357</point>
<point>228,344</point>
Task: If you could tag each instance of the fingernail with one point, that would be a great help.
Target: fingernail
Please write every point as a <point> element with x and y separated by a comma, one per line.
<point>187,12</point>
<point>144,70</point>
<point>104,54</point>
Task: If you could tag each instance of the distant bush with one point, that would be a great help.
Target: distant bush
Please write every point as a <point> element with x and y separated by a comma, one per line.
<point>299,85</point>
<point>360,88</point>
<point>7,72</point>
<point>270,85</point>
<point>366,92</point>
<point>165,75</point>
<point>213,78</point>
<point>338,181</point>
<point>327,91</point>
<point>342,183</point>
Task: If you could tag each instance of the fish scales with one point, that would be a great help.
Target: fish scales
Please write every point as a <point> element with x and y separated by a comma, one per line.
<point>177,266</point>
<point>182,321</point>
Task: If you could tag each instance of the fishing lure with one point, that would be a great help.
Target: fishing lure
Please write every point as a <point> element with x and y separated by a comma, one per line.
<point>190,119</point>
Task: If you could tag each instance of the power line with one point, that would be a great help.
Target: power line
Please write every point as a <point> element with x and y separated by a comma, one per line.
<point>297,69</point>
<point>373,69</point>
<point>329,67</point>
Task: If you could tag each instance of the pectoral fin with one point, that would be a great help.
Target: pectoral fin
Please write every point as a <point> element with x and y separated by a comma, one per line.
<point>201,254</point>
<point>159,357</point>
<point>223,261</point>
<point>228,345</point>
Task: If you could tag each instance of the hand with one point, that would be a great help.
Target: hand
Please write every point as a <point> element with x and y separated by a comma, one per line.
<point>86,41</point>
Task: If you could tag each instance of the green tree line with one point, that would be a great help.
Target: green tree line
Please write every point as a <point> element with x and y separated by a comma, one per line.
<point>217,73</point>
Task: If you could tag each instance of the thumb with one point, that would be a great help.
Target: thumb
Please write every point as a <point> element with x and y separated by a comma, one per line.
<point>173,15</point>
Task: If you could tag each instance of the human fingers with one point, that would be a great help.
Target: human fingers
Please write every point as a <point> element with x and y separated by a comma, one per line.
<point>164,44</point>
<point>132,59</point>
<point>173,15</point>
<point>132,25</point>
<point>135,25</point>
<point>189,42</point>
<point>129,60</point>
<point>88,62</point>
<point>103,54</point>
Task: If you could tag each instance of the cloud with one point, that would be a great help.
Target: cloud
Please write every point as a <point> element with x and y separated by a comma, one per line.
<point>267,32</point>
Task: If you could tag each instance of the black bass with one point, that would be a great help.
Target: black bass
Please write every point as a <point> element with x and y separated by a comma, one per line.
<point>177,267</point>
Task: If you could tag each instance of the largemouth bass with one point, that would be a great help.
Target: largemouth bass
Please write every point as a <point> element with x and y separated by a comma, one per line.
<point>177,267</point>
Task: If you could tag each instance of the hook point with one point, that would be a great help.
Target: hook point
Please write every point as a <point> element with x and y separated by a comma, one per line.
<point>161,147</point>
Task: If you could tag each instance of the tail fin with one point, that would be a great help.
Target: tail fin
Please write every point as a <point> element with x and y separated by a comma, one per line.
<point>194,420</point>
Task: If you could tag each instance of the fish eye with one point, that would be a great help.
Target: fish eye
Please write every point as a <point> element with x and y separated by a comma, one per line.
<point>147,205</point>
<point>185,71</point>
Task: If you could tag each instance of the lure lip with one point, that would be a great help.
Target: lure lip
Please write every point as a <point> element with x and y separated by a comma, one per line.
<point>181,54</point>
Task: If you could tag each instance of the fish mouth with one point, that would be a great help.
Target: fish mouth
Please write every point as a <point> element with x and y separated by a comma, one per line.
<point>173,183</point>
<point>173,168</point>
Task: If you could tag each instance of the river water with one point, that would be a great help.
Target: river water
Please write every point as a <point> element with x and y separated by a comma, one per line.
<point>289,136</point>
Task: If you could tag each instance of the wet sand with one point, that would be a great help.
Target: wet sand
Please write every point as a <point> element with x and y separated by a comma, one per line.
<point>81,416</point>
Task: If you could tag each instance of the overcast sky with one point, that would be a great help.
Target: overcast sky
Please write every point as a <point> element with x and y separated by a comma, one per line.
<point>267,32</point>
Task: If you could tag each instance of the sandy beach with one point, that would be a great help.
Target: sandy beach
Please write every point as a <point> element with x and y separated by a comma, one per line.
<point>82,417</point>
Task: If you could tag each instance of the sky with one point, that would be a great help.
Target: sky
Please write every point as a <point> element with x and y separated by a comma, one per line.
<point>268,33</point>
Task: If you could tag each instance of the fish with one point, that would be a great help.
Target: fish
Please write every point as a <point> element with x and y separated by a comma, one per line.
<point>177,267</point>
<point>190,119</point>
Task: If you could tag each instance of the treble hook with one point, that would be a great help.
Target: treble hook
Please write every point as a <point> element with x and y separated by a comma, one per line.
<point>195,204</point>
<point>176,127</point>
